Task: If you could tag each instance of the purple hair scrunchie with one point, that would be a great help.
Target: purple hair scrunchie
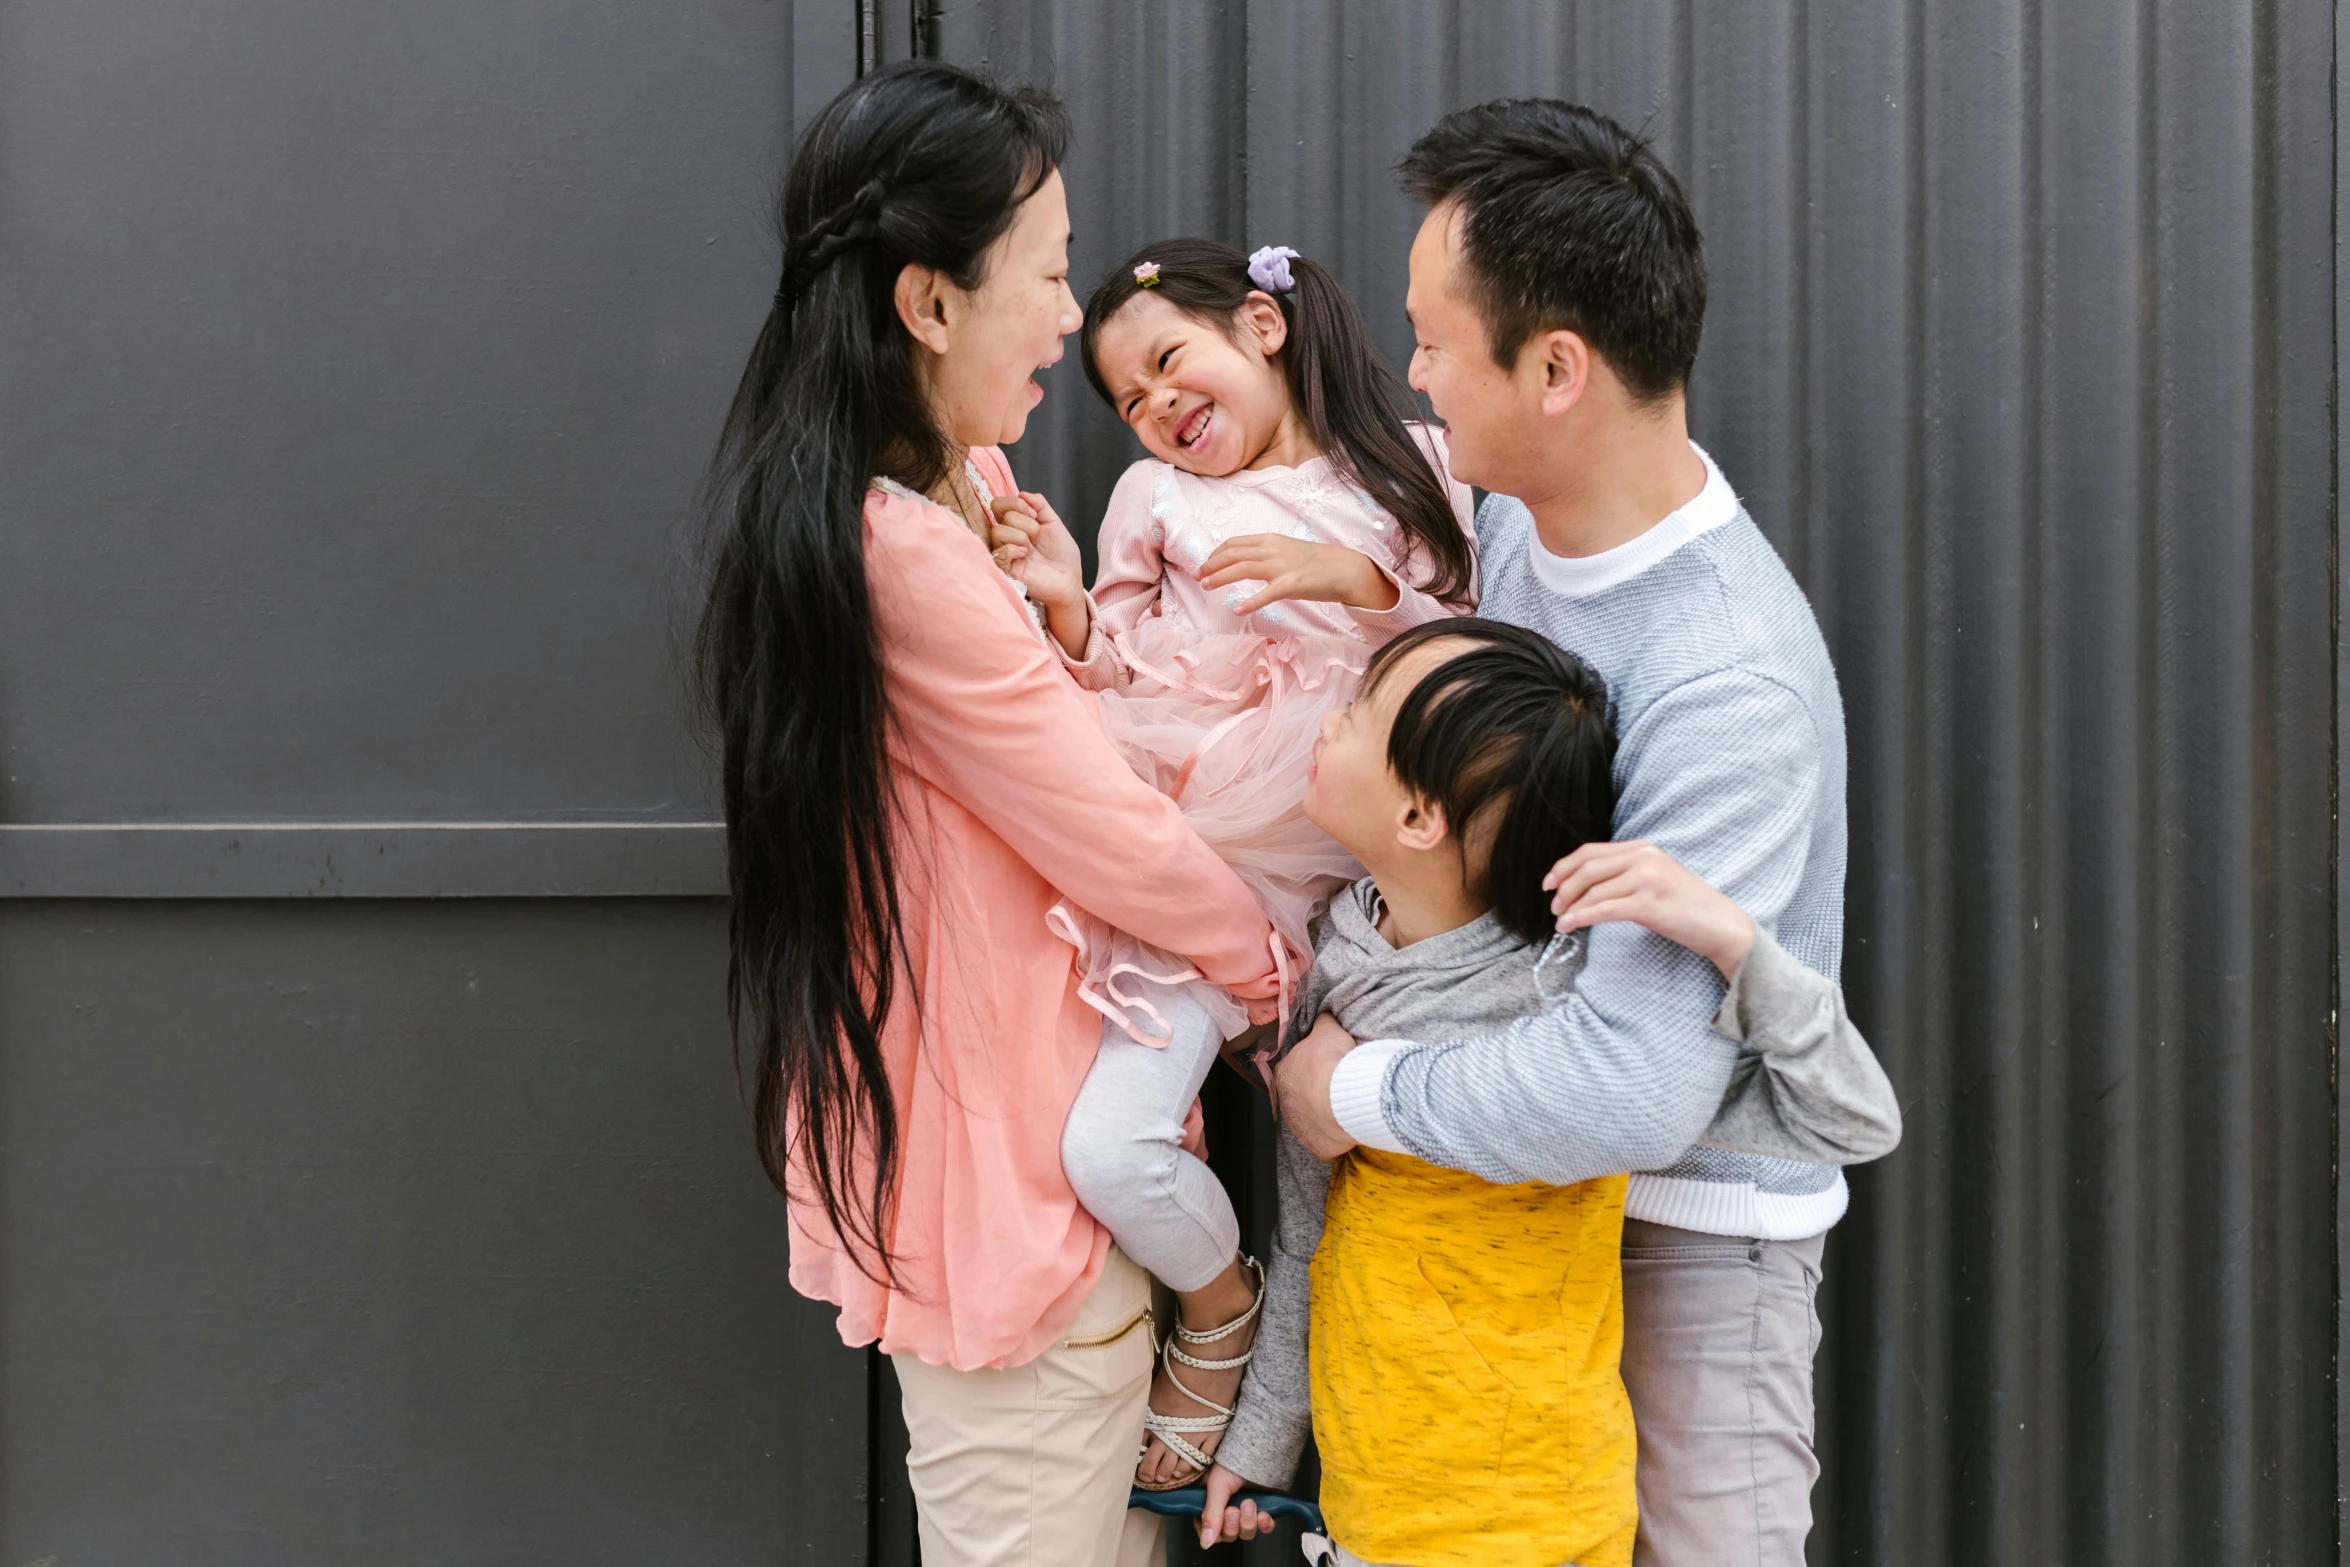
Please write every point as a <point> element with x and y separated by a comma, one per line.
<point>1269,269</point>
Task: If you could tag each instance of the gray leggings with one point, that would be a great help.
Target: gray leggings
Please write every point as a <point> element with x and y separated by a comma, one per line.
<point>1123,1148</point>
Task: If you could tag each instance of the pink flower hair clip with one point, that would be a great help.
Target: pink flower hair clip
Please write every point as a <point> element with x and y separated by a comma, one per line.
<point>1147,275</point>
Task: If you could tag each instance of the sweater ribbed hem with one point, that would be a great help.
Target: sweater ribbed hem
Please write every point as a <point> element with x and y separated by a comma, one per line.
<point>1735,1208</point>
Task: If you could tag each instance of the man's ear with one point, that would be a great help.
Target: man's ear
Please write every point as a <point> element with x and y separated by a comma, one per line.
<point>1563,362</point>
<point>1420,825</point>
<point>1261,316</point>
<point>923,304</point>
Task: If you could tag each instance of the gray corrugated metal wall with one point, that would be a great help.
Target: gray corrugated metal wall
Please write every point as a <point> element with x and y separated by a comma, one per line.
<point>2021,349</point>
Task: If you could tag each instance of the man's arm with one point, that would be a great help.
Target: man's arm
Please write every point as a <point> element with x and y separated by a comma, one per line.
<point>1725,774</point>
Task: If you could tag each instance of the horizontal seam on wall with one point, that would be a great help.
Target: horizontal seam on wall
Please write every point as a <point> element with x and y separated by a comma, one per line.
<point>374,859</point>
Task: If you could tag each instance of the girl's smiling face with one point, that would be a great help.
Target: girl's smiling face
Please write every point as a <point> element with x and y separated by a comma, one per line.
<point>1209,401</point>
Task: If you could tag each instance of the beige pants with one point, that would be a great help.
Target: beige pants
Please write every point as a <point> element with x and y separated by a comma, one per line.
<point>1030,1467</point>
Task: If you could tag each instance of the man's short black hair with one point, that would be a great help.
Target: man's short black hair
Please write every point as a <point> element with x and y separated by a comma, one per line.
<point>1571,222</point>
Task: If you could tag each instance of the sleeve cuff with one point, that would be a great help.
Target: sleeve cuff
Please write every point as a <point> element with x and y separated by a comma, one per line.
<point>1357,1087</point>
<point>1407,611</point>
<point>1264,1443</point>
<point>1099,669</point>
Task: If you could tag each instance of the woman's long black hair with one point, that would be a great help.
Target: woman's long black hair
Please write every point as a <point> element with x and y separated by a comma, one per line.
<point>1351,401</point>
<point>919,163</point>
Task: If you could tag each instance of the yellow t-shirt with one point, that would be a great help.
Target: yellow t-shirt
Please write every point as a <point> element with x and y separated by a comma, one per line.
<point>1465,1351</point>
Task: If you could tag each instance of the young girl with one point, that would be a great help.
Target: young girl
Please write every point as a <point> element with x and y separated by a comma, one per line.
<point>1464,1383</point>
<point>1288,522</point>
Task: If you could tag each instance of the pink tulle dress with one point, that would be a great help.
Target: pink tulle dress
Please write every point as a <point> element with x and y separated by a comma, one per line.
<point>1221,711</point>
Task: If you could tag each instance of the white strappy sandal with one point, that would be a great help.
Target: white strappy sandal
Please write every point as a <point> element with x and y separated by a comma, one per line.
<point>1177,1431</point>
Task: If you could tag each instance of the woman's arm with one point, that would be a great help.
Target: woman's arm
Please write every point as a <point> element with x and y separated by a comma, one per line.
<point>986,717</point>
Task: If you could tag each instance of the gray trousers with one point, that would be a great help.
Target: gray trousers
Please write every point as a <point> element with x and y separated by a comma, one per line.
<point>1719,1335</point>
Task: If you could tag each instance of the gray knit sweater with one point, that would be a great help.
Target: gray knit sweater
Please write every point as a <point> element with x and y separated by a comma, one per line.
<point>1807,1086</point>
<point>1730,755</point>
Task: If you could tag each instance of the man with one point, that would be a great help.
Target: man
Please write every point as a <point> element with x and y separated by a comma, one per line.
<point>1557,295</point>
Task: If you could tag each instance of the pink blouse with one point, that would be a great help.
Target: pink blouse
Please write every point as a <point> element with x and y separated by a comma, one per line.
<point>1011,798</point>
<point>1162,525</point>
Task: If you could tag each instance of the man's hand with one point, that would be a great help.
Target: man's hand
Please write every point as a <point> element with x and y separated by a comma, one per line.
<point>1303,1078</point>
<point>1219,1520</point>
<point>1297,569</point>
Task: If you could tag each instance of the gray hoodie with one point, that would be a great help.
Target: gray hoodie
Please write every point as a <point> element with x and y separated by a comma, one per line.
<point>1806,1087</point>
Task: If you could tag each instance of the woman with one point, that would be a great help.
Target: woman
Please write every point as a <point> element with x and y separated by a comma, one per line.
<point>911,783</point>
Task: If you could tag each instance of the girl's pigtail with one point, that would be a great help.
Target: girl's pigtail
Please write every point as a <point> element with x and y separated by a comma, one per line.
<point>1355,407</point>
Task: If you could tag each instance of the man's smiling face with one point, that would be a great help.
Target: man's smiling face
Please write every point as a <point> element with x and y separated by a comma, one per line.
<point>1489,411</point>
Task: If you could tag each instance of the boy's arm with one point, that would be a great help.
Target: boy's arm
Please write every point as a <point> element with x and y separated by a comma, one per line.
<point>1274,1413</point>
<point>1809,1088</point>
<point>1724,773</point>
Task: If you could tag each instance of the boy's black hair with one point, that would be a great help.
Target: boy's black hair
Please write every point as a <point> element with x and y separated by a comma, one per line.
<point>1571,222</point>
<point>1515,725</point>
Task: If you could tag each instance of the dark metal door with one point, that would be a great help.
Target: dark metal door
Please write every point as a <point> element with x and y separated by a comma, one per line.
<point>372,1189</point>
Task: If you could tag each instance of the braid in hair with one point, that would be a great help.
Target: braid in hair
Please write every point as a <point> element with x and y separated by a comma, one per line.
<point>854,222</point>
<point>915,164</point>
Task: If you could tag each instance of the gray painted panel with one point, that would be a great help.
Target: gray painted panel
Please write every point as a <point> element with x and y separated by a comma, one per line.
<point>354,376</point>
<point>397,1232</point>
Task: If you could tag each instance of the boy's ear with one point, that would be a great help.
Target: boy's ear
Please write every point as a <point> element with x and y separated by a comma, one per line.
<point>921,299</point>
<point>1563,362</point>
<point>1419,825</point>
<point>1263,318</point>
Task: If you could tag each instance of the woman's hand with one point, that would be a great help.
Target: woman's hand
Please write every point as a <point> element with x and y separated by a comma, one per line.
<point>1219,1520</point>
<point>1297,569</point>
<point>1641,883</point>
<point>1034,548</point>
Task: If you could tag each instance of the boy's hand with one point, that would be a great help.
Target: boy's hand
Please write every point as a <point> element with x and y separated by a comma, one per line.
<point>1297,569</point>
<point>1034,548</point>
<point>1303,1077</point>
<point>1219,1520</point>
<point>1641,883</point>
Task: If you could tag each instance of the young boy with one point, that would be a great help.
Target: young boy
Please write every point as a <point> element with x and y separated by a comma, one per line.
<point>1465,1336</point>
<point>1557,293</point>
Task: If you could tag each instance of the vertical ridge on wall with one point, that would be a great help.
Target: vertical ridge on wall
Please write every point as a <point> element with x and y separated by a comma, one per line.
<point>1161,151</point>
<point>2021,351</point>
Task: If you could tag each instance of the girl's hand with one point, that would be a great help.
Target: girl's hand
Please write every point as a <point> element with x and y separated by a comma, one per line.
<point>1219,1520</point>
<point>1034,549</point>
<point>1641,883</point>
<point>1296,569</point>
